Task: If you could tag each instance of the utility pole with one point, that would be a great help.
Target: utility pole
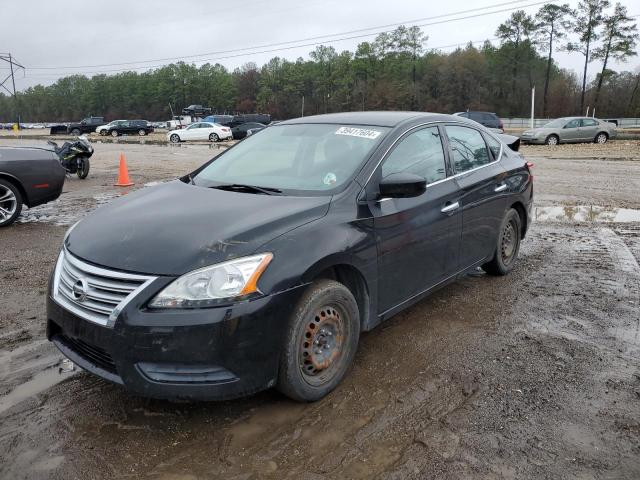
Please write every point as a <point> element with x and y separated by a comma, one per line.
<point>533,106</point>
<point>6,57</point>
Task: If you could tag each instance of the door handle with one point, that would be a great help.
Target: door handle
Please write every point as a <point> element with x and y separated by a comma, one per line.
<point>450,208</point>
<point>500,188</point>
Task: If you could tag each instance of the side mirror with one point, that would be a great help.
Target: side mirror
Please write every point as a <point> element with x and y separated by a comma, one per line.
<point>402,185</point>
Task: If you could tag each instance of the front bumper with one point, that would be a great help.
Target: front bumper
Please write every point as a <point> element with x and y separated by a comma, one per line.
<point>200,354</point>
<point>532,140</point>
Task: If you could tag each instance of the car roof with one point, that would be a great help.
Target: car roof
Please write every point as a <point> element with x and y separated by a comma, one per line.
<point>378,118</point>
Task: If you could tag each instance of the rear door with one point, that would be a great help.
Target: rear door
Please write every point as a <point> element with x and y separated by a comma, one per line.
<point>417,238</point>
<point>588,129</point>
<point>479,177</point>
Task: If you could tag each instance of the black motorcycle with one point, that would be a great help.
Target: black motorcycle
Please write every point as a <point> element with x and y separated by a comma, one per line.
<point>74,156</point>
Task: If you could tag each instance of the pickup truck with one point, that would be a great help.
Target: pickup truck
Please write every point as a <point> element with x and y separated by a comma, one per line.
<point>86,125</point>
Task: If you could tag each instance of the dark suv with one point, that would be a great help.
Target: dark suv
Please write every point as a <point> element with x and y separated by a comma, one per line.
<point>488,119</point>
<point>140,127</point>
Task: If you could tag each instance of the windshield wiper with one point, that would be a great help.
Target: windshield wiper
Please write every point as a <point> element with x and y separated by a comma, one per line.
<point>249,188</point>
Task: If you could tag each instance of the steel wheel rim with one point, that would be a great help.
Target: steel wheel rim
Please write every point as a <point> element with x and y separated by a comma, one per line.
<point>8,203</point>
<point>174,138</point>
<point>508,242</point>
<point>601,138</point>
<point>141,132</point>
<point>322,344</point>
<point>552,141</point>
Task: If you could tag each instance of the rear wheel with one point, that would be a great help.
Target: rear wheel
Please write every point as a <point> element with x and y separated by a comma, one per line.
<point>142,132</point>
<point>75,132</point>
<point>552,140</point>
<point>83,168</point>
<point>322,339</point>
<point>508,245</point>
<point>601,138</point>
<point>114,133</point>
<point>10,203</point>
<point>174,138</point>
<point>214,137</point>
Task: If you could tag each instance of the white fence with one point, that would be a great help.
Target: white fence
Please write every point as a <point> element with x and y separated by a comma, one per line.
<point>538,122</point>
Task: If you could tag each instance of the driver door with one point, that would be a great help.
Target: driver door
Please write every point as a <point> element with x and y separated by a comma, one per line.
<point>571,131</point>
<point>417,238</point>
<point>190,133</point>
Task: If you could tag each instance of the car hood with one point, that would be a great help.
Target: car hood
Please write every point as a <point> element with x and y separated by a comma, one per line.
<point>539,130</point>
<point>176,227</point>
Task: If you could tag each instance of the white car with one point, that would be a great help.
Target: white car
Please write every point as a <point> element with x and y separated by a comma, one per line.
<point>102,129</point>
<point>201,131</point>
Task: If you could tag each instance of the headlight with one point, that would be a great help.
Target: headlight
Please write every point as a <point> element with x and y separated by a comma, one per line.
<point>208,286</point>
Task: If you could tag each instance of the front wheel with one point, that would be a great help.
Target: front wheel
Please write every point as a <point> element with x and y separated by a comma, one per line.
<point>76,132</point>
<point>103,133</point>
<point>552,140</point>
<point>10,203</point>
<point>174,138</point>
<point>214,137</point>
<point>321,342</point>
<point>83,168</point>
<point>142,132</point>
<point>508,245</point>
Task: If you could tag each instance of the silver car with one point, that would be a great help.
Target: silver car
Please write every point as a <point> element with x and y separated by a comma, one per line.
<point>571,130</point>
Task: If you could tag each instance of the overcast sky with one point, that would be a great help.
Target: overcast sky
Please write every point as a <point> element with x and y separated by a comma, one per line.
<point>85,33</point>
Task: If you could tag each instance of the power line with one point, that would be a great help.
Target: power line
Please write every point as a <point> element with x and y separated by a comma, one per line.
<point>290,42</point>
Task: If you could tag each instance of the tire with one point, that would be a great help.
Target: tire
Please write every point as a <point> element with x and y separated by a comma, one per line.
<point>552,140</point>
<point>10,203</point>
<point>329,309</point>
<point>142,132</point>
<point>114,133</point>
<point>214,137</point>
<point>601,138</point>
<point>508,246</point>
<point>76,132</point>
<point>103,133</point>
<point>83,169</point>
<point>174,138</point>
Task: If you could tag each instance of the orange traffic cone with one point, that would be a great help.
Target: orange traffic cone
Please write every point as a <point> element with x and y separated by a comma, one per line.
<point>123,174</point>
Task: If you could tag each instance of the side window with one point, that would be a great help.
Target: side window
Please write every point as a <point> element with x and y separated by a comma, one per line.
<point>573,124</point>
<point>587,122</point>
<point>468,147</point>
<point>494,145</point>
<point>420,153</point>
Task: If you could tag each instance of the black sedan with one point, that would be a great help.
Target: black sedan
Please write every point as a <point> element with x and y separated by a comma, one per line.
<point>262,267</point>
<point>28,176</point>
<point>240,131</point>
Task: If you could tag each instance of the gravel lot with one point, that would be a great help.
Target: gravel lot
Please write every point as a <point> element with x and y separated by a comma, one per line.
<point>536,375</point>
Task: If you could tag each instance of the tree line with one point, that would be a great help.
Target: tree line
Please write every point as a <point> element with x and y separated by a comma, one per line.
<point>393,72</point>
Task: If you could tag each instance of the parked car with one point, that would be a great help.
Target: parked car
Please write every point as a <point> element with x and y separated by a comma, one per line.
<point>224,120</point>
<point>251,131</point>
<point>102,129</point>
<point>571,130</point>
<point>28,176</point>
<point>129,127</point>
<point>282,250</point>
<point>240,131</point>
<point>488,119</point>
<point>200,131</point>
<point>87,125</point>
<point>196,110</point>
<point>263,118</point>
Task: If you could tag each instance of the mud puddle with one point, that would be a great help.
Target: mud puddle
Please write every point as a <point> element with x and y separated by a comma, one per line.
<point>586,213</point>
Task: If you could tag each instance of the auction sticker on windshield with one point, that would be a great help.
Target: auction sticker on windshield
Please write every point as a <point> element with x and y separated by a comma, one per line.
<point>358,132</point>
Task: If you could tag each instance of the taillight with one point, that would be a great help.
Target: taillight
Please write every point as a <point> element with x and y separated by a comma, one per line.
<point>529,166</point>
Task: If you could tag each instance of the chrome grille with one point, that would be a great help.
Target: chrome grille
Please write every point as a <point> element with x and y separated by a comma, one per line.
<point>93,293</point>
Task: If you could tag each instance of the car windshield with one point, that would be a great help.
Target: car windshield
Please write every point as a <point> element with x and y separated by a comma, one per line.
<point>558,122</point>
<point>298,159</point>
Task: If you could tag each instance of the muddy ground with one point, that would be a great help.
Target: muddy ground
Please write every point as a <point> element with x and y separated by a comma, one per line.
<point>535,375</point>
